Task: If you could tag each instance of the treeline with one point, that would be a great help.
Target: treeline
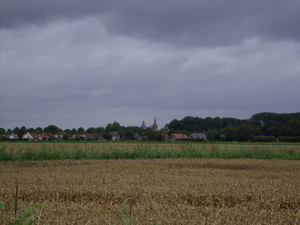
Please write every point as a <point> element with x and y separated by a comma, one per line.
<point>260,127</point>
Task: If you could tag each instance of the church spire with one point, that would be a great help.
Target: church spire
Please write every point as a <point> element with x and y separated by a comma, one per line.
<point>155,128</point>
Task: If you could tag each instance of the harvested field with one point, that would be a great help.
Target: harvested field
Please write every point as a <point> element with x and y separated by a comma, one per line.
<point>164,191</point>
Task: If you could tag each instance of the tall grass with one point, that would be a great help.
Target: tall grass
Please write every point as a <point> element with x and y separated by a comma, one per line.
<point>148,152</point>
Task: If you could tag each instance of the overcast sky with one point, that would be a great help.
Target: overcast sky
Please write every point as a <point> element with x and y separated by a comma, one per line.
<point>89,63</point>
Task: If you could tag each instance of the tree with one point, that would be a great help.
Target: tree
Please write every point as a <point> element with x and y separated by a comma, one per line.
<point>91,130</point>
<point>31,130</point>
<point>216,123</point>
<point>290,132</point>
<point>229,132</point>
<point>68,131</point>
<point>163,130</point>
<point>115,126</point>
<point>222,137</point>
<point>129,135</point>
<point>135,129</point>
<point>39,129</point>
<point>210,135</point>
<point>81,130</point>
<point>74,131</point>
<point>2,131</point>
<point>52,129</point>
<point>160,136</point>
<point>20,131</point>
<point>151,135</point>
<point>107,136</point>
<point>100,130</point>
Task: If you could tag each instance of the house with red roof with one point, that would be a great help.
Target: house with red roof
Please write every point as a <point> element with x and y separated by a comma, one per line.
<point>177,136</point>
<point>37,137</point>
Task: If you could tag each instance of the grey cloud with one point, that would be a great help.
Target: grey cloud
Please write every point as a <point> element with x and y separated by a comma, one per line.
<point>187,23</point>
<point>88,64</point>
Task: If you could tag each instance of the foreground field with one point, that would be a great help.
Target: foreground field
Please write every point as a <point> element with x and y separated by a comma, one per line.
<point>164,191</point>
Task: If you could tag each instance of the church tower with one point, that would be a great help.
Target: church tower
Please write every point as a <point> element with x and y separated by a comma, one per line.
<point>144,127</point>
<point>155,127</point>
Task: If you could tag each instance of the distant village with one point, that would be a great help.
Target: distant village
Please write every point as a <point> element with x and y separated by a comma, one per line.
<point>261,127</point>
<point>111,135</point>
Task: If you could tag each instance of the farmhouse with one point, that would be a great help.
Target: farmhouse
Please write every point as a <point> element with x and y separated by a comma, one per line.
<point>13,136</point>
<point>114,135</point>
<point>37,137</point>
<point>28,136</point>
<point>177,136</point>
<point>198,135</point>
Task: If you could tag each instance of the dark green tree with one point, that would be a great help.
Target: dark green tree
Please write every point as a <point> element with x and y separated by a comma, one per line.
<point>31,130</point>
<point>210,135</point>
<point>68,131</point>
<point>290,132</point>
<point>91,130</point>
<point>222,137</point>
<point>39,129</point>
<point>229,132</point>
<point>74,131</point>
<point>135,129</point>
<point>129,134</point>
<point>2,131</point>
<point>81,130</point>
<point>20,131</point>
<point>52,129</point>
<point>100,130</point>
<point>106,136</point>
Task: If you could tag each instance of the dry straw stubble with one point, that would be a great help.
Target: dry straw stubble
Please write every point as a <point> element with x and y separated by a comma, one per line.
<point>169,191</point>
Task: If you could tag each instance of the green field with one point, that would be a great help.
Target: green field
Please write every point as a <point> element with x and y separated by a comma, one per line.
<point>37,151</point>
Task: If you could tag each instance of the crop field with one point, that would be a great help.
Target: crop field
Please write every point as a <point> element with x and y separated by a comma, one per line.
<point>163,191</point>
<point>26,151</point>
<point>131,145</point>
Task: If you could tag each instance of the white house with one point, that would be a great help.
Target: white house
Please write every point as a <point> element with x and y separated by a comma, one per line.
<point>114,135</point>
<point>28,136</point>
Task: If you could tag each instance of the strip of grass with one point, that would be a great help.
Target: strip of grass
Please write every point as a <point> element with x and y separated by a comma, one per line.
<point>149,152</point>
<point>154,142</point>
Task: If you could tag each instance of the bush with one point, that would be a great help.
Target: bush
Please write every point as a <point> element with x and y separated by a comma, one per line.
<point>263,138</point>
<point>289,139</point>
<point>196,139</point>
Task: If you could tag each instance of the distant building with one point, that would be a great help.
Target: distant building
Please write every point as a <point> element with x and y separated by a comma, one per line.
<point>144,127</point>
<point>13,136</point>
<point>154,126</point>
<point>29,136</point>
<point>176,136</point>
<point>37,137</point>
<point>198,135</point>
<point>138,137</point>
<point>114,135</point>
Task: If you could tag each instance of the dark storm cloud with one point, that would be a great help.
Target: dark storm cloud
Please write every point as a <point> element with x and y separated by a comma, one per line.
<point>88,63</point>
<point>189,23</point>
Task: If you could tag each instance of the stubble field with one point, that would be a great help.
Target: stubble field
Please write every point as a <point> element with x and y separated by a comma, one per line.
<point>164,191</point>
